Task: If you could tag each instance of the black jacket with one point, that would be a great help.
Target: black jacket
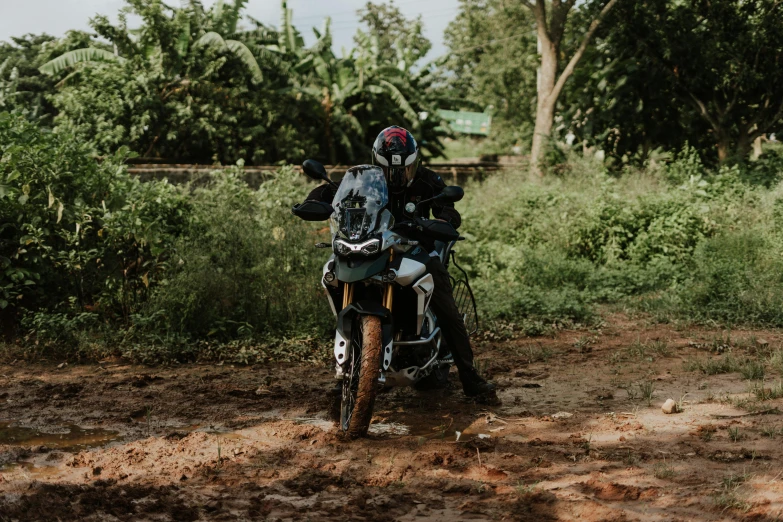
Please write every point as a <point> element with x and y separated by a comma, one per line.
<point>425,185</point>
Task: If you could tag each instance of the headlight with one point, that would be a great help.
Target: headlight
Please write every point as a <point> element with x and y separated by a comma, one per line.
<point>371,247</point>
<point>342,248</point>
<point>367,248</point>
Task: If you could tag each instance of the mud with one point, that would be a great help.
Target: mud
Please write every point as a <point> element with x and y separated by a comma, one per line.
<point>575,438</point>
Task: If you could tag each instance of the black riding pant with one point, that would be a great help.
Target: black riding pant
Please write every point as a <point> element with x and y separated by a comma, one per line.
<point>451,322</point>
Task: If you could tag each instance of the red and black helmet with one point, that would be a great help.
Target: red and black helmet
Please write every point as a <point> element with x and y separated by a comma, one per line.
<point>396,152</point>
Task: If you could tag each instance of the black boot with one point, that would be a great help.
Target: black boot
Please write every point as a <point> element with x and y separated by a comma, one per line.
<point>475,389</point>
<point>476,386</point>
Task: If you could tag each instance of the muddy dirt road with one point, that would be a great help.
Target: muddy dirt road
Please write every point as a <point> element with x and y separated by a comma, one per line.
<point>580,435</point>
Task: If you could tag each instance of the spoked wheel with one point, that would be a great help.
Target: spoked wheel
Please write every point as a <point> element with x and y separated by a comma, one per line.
<point>360,384</point>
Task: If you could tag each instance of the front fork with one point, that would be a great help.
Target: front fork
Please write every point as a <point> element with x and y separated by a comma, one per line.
<point>388,292</point>
<point>388,295</point>
<point>340,343</point>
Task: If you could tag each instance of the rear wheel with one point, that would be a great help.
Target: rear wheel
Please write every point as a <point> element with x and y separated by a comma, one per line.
<point>360,384</point>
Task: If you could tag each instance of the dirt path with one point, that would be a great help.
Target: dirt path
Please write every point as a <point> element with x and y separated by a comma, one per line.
<point>575,438</point>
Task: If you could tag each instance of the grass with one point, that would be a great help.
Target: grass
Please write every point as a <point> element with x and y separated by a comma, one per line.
<point>771,431</point>
<point>664,471</point>
<point>522,489</point>
<point>536,354</point>
<point>735,435</point>
<point>774,391</point>
<point>541,257</point>
<point>752,369</point>
<point>647,390</point>
<point>729,499</point>
<point>713,366</point>
<point>732,481</point>
<point>776,361</point>
<point>648,349</point>
<point>728,496</point>
<point>149,420</point>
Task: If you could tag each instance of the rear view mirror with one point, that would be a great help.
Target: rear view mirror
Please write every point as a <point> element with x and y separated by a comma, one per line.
<point>313,210</point>
<point>315,170</point>
<point>453,193</point>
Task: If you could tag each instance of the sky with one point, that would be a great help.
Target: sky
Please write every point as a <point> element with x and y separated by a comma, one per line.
<point>55,17</point>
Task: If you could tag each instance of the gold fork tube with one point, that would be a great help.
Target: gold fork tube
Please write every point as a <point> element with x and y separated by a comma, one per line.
<point>388,294</point>
<point>347,294</point>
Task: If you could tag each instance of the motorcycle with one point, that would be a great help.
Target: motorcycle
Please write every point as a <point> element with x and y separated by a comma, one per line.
<point>379,291</point>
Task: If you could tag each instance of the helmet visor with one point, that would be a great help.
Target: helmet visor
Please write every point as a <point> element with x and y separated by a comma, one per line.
<point>400,176</point>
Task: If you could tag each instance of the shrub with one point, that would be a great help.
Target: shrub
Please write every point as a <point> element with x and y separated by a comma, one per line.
<point>736,277</point>
<point>77,234</point>
<point>244,267</point>
<point>95,261</point>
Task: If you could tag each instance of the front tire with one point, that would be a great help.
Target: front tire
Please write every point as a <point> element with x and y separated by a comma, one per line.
<point>360,384</point>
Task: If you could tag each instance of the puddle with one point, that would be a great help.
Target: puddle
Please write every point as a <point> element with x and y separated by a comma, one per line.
<point>28,468</point>
<point>323,424</point>
<point>389,428</point>
<point>76,438</point>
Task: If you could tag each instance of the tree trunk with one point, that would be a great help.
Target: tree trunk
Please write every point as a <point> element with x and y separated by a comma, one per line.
<point>545,107</point>
<point>550,85</point>
<point>757,148</point>
<point>724,148</point>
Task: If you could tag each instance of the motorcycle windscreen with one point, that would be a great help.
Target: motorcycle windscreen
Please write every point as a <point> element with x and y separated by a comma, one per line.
<point>359,201</point>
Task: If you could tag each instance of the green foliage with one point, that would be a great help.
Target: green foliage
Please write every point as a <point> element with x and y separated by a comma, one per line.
<point>95,261</point>
<point>491,65</point>
<point>191,85</point>
<point>694,243</point>
<point>395,33</point>
<point>77,56</point>
<point>243,268</point>
<point>665,72</point>
<point>23,88</point>
<point>77,235</point>
<point>736,278</point>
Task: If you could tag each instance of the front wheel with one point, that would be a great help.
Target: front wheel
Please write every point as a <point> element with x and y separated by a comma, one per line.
<point>360,384</point>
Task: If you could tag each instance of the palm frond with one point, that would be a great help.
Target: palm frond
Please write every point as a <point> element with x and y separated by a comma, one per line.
<point>211,39</point>
<point>401,101</point>
<point>69,78</point>
<point>71,58</point>
<point>241,51</point>
<point>237,48</point>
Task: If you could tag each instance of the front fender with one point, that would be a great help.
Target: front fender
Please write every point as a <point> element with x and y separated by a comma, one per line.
<point>346,320</point>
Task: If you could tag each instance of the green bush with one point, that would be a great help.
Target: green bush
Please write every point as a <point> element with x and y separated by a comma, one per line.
<point>78,235</point>
<point>736,278</point>
<point>94,261</point>
<point>243,268</point>
<point>551,251</point>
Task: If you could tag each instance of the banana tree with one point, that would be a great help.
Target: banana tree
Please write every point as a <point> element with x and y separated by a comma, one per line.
<point>164,38</point>
<point>357,93</point>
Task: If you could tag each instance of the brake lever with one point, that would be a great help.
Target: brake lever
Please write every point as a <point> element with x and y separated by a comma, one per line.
<point>322,245</point>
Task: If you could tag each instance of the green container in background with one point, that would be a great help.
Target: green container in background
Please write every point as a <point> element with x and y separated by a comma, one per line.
<point>467,122</point>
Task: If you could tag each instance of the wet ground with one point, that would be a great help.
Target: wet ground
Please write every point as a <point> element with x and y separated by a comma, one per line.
<point>580,435</point>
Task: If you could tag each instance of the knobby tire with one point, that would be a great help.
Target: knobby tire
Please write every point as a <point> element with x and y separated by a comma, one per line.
<point>371,347</point>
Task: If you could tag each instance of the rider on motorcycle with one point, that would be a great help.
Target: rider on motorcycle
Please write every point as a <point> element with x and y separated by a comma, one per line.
<point>396,152</point>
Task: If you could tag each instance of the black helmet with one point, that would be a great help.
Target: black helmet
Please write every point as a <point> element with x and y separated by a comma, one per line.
<point>396,152</point>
